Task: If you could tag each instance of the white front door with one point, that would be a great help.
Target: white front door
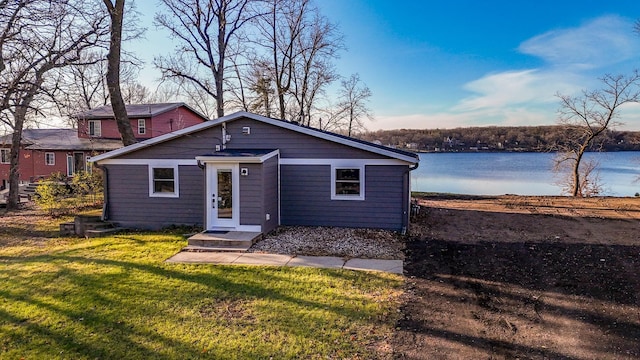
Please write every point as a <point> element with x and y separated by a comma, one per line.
<point>222,196</point>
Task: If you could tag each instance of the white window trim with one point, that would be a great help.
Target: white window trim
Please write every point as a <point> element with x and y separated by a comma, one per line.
<point>143,127</point>
<point>176,181</point>
<point>7,156</point>
<point>46,158</point>
<point>335,196</point>
<point>70,164</point>
<point>97,128</point>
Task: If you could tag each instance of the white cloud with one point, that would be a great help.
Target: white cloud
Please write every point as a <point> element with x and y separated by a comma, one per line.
<point>528,97</point>
<point>517,87</point>
<point>603,41</point>
<point>449,120</point>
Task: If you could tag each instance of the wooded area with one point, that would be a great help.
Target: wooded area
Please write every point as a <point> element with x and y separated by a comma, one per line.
<point>498,138</point>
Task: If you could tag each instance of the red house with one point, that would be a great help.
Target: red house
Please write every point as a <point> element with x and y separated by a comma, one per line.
<point>45,151</point>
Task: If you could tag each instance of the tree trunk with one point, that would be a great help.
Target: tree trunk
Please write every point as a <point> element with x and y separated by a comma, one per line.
<point>14,167</point>
<point>576,175</point>
<point>113,72</point>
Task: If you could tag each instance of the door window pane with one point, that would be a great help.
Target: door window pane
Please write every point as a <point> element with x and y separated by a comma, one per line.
<point>225,194</point>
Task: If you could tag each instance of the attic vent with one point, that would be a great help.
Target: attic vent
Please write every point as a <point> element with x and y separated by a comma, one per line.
<point>246,130</point>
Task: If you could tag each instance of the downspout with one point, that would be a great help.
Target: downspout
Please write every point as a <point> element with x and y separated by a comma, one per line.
<point>105,192</point>
<point>224,135</point>
<point>407,208</point>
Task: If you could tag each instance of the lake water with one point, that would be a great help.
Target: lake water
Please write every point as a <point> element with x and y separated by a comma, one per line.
<point>517,173</point>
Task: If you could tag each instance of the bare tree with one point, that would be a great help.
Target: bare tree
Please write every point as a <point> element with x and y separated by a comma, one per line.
<point>296,46</point>
<point>84,86</point>
<point>280,29</point>
<point>46,35</point>
<point>116,14</point>
<point>207,31</point>
<point>353,107</point>
<point>589,116</point>
<point>318,44</point>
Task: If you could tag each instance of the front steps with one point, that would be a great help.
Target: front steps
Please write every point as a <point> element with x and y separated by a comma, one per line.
<point>238,241</point>
<point>89,226</point>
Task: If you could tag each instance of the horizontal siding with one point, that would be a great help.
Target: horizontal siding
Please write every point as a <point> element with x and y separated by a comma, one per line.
<point>185,147</point>
<point>251,206</point>
<point>130,204</point>
<point>306,198</point>
<point>263,136</point>
<point>291,144</point>
<point>270,194</point>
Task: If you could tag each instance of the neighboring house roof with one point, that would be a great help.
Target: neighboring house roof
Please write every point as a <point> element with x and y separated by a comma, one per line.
<point>134,111</point>
<point>61,139</point>
<point>407,156</point>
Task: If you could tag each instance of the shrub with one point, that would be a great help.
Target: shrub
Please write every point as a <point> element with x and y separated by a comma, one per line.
<point>87,184</point>
<point>50,194</point>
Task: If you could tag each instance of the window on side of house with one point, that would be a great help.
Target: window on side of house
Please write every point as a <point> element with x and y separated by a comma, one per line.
<point>5,156</point>
<point>95,128</point>
<point>49,158</point>
<point>163,181</point>
<point>142,127</point>
<point>347,182</point>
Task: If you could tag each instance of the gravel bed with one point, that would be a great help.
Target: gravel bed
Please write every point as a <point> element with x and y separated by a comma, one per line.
<point>328,241</point>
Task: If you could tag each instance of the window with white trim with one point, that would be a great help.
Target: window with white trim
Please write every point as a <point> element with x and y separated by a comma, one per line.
<point>49,158</point>
<point>347,182</point>
<point>95,128</point>
<point>142,127</point>
<point>163,181</point>
<point>5,156</point>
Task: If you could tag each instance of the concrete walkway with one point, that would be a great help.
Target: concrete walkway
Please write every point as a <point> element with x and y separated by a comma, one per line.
<point>330,262</point>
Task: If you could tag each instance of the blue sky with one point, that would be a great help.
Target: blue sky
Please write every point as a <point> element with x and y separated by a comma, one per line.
<point>445,64</point>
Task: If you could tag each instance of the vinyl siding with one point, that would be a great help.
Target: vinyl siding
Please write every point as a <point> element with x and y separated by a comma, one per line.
<point>185,147</point>
<point>251,205</point>
<point>270,194</point>
<point>131,206</point>
<point>306,198</point>
<point>263,136</point>
<point>291,144</point>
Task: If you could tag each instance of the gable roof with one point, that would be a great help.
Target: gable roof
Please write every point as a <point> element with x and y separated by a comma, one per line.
<point>61,139</point>
<point>134,111</point>
<point>341,139</point>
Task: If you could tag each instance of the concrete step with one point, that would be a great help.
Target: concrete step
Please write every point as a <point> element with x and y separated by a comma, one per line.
<point>98,225</point>
<point>219,242</point>
<point>223,240</point>
<point>195,248</point>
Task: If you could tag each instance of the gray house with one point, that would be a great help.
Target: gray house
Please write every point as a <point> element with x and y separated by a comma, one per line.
<point>246,172</point>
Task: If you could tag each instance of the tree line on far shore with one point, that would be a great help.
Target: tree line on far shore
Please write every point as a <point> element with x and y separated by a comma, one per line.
<point>499,138</point>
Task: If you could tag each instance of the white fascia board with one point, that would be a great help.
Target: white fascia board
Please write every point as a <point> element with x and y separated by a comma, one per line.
<point>153,162</point>
<point>237,159</point>
<point>343,162</point>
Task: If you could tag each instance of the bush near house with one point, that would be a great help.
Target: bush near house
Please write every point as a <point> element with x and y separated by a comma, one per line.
<point>57,196</point>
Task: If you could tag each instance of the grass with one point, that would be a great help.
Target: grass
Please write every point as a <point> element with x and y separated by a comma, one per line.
<point>114,297</point>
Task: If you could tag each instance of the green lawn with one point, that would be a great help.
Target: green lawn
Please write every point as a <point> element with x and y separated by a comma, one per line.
<point>114,297</point>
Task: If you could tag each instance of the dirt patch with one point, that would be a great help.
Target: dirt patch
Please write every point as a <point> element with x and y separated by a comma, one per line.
<point>522,277</point>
